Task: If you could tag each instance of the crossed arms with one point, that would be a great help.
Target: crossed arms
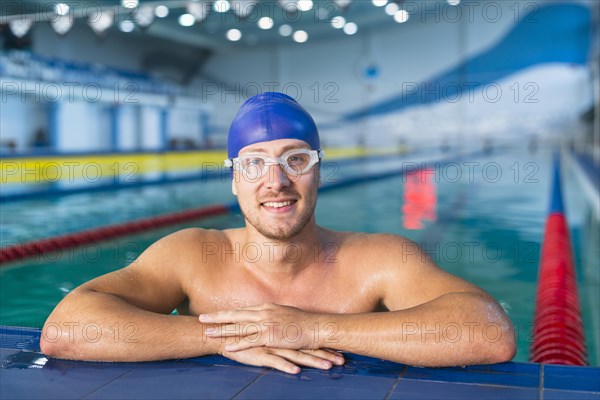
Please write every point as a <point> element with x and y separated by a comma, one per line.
<point>125,316</point>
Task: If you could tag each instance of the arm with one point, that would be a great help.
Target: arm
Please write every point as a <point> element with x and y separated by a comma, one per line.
<point>454,329</point>
<point>435,319</point>
<point>125,315</point>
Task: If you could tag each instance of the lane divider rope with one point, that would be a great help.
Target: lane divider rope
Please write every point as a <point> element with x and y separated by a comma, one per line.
<point>48,245</point>
<point>558,332</point>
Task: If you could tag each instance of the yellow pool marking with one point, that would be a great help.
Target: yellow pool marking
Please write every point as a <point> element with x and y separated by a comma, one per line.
<point>93,168</point>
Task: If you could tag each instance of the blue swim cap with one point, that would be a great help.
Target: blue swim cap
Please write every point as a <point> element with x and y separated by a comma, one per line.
<point>271,116</point>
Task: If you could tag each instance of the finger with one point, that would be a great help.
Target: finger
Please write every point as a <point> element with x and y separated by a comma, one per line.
<point>302,358</point>
<point>224,317</point>
<point>263,358</point>
<point>330,355</point>
<point>280,363</point>
<point>233,330</point>
<point>244,344</point>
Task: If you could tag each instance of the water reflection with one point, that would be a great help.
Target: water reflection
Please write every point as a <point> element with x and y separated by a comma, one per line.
<point>420,199</point>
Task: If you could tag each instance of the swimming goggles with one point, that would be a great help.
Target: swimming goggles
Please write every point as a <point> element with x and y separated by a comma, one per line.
<point>294,162</point>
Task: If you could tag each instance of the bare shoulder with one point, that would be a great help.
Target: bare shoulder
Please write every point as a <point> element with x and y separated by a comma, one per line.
<point>403,271</point>
<point>181,245</point>
<point>374,254</point>
<point>384,250</point>
<point>157,279</point>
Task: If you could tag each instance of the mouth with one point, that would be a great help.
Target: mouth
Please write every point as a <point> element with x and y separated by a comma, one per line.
<point>279,206</point>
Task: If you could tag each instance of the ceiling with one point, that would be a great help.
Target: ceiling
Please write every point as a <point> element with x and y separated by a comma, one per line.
<point>211,32</point>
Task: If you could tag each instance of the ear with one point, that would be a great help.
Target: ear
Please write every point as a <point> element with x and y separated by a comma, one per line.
<point>233,186</point>
<point>317,177</point>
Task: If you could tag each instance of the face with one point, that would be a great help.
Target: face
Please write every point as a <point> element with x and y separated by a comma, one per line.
<point>277,205</point>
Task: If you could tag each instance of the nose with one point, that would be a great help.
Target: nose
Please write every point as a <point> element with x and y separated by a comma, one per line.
<point>277,178</point>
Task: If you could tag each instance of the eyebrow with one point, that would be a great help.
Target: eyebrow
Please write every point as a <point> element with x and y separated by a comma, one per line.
<point>283,150</point>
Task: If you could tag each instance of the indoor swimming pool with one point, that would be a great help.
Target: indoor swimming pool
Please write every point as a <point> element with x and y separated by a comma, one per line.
<point>479,217</point>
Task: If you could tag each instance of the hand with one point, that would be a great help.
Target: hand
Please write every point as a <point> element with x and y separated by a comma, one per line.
<point>268,325</point>
<point>286,360</point>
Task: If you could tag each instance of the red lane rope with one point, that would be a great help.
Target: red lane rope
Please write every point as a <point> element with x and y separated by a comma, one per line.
<point>558,334</point>
<point>44,246</point>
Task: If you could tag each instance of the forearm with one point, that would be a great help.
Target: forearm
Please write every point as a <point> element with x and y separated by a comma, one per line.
<point>97,326</point>
<point>455,329</point>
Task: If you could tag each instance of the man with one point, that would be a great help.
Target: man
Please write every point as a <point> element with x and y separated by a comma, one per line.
<point>281,292</point>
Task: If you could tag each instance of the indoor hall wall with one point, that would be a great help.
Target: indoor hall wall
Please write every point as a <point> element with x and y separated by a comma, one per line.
<point>81,44</point>
<point>404,53</point>
<point>82,127</point>
<point>150,128</point>
<point>21,117</point>
<point>96,126</point>
<point>425,48</point>
<point>115,49</point>
<point>127,125</point>
<point>185,124</point>
<point>229,78</point>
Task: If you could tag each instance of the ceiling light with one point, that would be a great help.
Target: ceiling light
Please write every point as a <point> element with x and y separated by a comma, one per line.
<point>300,36</point>
<point>391,9</point>
<point>62,25</point>
<point>285,30</point>
<point>19,27</point>
<point>161,11</point>
<point>338,22</point>
<point>221,6</point>
<point>61,8</point>
<point>401,16</point>
<point>243,8</point>
<point>265,23</point>
<point>379,3</point>
<point>198,10</point>
<point>234,35</point>
<point>187,20</point>
<point>454,2</point>
<point>126,26</point>
<point>350,28</point>
<point>102,22</point>
<point>305,5</point>
<point>129,3</point>
<point>343,3</point>
<point>144,16</point>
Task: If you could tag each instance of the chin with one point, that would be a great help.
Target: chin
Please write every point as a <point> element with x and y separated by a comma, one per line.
<point>280,235</point>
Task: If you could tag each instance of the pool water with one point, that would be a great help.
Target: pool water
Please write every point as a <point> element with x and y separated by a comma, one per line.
<point>481,218</point>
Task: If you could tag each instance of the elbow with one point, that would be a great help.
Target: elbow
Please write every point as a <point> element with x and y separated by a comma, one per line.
<point>501,335</point>
<point>506,348</point>
<point>47,347</point>
<point>499,353</point>
<point>54,345</point>
<point>492,350</point>
<point>503,347</point>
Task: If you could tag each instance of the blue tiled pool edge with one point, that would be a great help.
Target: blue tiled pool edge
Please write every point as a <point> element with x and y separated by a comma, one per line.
<point>27,374</point>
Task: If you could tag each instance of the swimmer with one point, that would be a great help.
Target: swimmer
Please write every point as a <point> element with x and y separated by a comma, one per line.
<point>281,292</point>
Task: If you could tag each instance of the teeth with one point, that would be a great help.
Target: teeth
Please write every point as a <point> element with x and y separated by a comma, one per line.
<point>277,204</point>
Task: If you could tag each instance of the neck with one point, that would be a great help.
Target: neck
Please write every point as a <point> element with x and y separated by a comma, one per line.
<point>282,259</point>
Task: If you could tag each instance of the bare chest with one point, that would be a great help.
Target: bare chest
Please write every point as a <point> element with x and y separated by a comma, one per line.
<point>327,293</point>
